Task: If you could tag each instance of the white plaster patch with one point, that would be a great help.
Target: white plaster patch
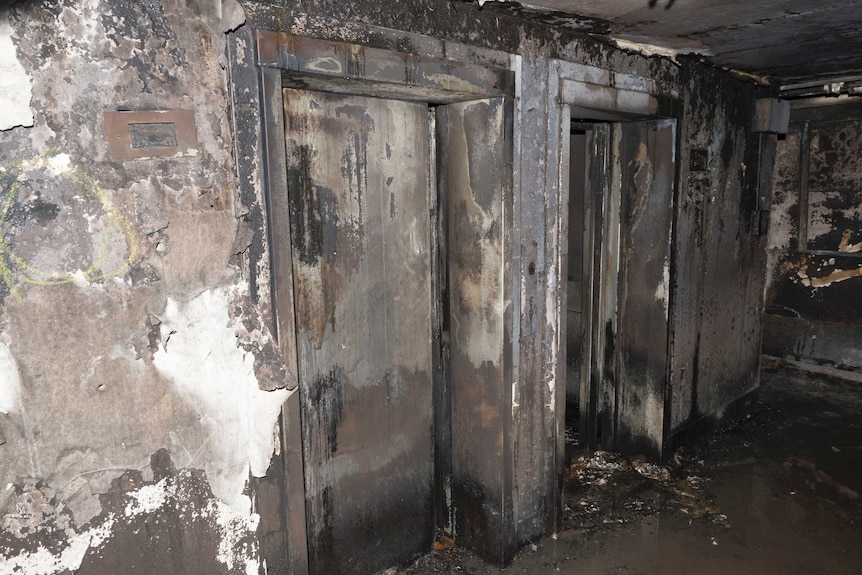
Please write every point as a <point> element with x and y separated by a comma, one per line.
<point>200,357</point>
<point>79,279</point>
<point>515,396</point>
<point>651,49</point>
<point>232,528</point>
<point>56,165</point>
<point>10,381</point>
<point>15,88</point>
<point>147,499</point>
<point>59,164</point>
<point>662,292</point>
<point>264,407</point>
<point>44,562</point>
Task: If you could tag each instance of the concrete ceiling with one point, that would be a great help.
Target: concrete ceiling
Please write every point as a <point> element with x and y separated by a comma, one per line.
<point>783,40</point>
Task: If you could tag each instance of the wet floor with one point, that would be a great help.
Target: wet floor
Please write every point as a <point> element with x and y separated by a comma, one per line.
<point>776,493</point>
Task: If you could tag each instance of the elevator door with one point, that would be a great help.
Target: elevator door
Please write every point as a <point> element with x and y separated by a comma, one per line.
<point>358,189</point>
<point>647,156</point>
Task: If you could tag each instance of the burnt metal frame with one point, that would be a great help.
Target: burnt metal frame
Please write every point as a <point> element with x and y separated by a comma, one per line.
<point>621,97</point>
<point>285,60</point>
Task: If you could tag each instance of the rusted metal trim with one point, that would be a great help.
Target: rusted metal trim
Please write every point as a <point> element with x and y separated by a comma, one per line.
<point>280,249</point>
<point>314,60</point>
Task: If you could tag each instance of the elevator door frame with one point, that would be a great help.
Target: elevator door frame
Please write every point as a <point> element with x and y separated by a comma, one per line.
<point>609,99</point>
<point>286,61</point>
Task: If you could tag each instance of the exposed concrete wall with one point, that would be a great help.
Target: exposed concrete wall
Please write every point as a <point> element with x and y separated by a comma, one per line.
<point>814,313</point>
<point>132,361</point>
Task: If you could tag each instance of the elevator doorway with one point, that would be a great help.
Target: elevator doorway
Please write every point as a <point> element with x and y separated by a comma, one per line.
<point>389,197</point>
<point>622,177</point>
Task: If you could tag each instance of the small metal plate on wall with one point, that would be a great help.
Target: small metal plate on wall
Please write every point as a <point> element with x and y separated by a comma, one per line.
<point>152,134</point>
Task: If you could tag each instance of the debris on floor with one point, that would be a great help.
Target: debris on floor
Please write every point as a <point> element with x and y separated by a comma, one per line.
<point>776,492</point>
<point>443,543</point>
<point>604,489</point>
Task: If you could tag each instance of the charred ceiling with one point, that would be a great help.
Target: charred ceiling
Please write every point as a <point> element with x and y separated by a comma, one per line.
<point>790,43</point>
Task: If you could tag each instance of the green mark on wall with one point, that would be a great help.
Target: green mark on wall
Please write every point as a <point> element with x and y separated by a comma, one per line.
<point>107,261</point>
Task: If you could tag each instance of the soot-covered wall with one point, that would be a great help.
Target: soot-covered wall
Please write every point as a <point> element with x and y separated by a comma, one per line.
<point>719,259</point>
<point>814,313</point>
<point>134,366</point>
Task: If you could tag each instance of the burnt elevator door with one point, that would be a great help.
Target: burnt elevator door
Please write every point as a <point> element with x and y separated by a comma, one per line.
<point>621,230</point>
<point>358,187</point>
<point>575,280</point>
<point>647,155</point>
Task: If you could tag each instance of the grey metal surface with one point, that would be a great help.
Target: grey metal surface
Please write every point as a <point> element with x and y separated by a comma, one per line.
<point>477,139</point>
<point>335,66</point>
<point>358,186</point>
<point>151,134</point>
<point>282,297</point>
<point>598,367</point>
<point>647,158</point>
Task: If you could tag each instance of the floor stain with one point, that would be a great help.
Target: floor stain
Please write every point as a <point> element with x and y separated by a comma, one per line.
<point>776,493</point>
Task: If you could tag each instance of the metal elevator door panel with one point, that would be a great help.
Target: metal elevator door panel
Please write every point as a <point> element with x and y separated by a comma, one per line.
<point>647,155</point>
<point>358,189</point>
<point>475,176</point>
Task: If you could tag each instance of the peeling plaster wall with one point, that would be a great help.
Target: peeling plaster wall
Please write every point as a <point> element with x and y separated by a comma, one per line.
<point>814,313</point>
<point>139,385</point>
<point>14,84</point>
